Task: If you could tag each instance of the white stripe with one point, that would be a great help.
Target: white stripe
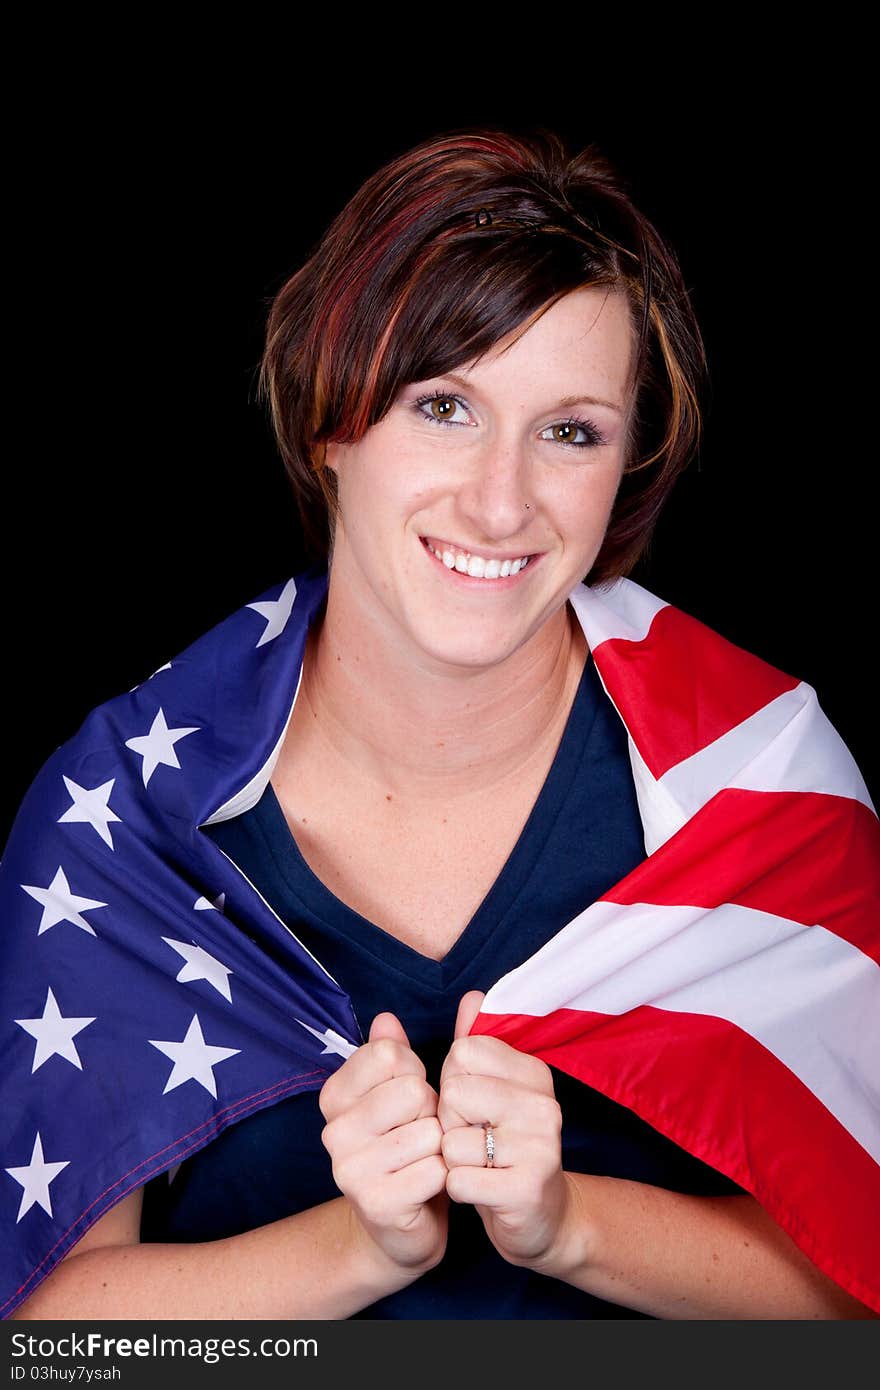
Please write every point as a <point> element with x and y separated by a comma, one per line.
<point>661,815</point>
<point>624,610</point>
<point>789,745</point>
<point>808,996</point>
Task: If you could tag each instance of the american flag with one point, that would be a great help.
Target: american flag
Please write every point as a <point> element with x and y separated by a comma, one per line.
<point>726,989</point>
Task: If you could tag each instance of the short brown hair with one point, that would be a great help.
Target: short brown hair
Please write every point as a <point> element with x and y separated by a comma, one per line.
<point>440,254</point>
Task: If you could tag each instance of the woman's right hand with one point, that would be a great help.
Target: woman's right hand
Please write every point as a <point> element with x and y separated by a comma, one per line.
<point>384,1138</point>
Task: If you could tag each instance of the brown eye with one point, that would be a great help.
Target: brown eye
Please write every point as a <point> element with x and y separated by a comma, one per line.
<point>566,432</point>
<point>443,408</point>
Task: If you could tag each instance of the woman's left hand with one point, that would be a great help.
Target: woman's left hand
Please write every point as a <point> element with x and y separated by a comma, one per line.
<point>525,1200</point>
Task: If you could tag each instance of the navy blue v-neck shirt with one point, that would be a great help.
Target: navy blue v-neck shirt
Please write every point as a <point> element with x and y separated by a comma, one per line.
<point>583,835</point>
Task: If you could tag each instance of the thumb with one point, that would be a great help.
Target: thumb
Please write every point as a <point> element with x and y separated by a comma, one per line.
<point>468,1008</point>
<point>387,1025</point>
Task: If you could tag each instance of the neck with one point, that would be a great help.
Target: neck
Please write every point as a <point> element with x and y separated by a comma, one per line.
<point>366,712</point>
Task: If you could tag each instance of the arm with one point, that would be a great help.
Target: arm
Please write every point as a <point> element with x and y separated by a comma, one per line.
<point>319,1263</point>
<point>387,1229</point>
<point>669,1254</point>
<point>674,1255</point>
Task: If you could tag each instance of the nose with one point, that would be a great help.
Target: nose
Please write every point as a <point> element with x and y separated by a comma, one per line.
<point>492,499</point>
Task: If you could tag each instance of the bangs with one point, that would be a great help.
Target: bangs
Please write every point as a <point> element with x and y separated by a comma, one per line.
<point>465,304</point>
<point>454,246</point>
<point>448,303</point>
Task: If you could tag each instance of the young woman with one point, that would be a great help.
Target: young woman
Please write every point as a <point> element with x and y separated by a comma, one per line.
<point>484,383</point>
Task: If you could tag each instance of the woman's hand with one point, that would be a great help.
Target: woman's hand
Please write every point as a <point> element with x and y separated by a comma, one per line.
<point>383,1136</point>
<point>525,1200</point>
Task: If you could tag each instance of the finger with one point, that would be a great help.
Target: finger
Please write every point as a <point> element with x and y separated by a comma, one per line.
<point>468,1008</point>
<point>387,1025</point>
<point>409,1143</point>
<point>379,1156</point>
<point>413,1185</point>
<point>479,1054</point>
<point>472,1100</point>
<point>368,1066</point>
<point>466,1147</point>
<point>398,1101</point>
<point>499,1189</point>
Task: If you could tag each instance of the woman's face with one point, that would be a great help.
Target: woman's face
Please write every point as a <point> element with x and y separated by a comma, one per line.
<point>543,423</point>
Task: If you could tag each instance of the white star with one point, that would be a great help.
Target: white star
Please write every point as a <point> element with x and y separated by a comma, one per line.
<point>201,966</point>
<point>276,611</point>
<point>60,905</point>
<point>54,1034</point>
<point>193,1059</point>
<point>35,1179</point>
<point>203,904</point>
<point>90,805</point>
<point>333,1041</point>
<point>158,745</point>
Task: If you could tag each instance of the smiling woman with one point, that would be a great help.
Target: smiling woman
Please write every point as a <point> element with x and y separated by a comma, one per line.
<point>490,484</point>
<point>508,895</point>
<point>454,251</point>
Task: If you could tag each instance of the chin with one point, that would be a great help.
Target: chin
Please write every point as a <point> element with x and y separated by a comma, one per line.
<point>469,649</point>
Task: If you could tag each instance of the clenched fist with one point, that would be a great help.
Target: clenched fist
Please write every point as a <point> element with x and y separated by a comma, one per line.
<point>383,1136</point>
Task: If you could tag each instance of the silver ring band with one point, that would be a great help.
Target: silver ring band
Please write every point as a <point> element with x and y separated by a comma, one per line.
<point>490,1146</point>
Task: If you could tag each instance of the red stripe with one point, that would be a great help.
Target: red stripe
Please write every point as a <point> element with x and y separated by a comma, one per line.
<point>714,1090</point>
<point>806,856</point>
<point>699,684</point>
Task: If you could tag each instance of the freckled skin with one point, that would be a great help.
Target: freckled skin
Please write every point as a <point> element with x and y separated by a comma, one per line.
<point>439,686</point>
<point>411,476</point>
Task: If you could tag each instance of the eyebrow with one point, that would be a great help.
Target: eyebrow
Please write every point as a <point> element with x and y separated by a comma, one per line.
<point>560,405</point>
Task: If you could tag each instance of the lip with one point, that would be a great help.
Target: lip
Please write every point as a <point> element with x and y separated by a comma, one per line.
<point>440,544</point>
<point>468,581</point>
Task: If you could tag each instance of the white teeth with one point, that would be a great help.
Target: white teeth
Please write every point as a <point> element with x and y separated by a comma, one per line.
<point>476,566</point>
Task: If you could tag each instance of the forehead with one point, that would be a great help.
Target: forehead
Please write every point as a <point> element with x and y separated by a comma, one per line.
<point>586,337</point>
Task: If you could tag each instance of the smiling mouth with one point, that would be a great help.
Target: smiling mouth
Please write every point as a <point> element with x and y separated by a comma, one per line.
<point>466,566</point>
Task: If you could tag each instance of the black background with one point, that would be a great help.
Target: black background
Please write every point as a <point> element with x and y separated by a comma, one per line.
<point>145,497</point>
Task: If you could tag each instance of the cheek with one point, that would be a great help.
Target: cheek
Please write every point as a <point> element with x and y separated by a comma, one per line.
<point>587,507</point>
<point>379,504</point>
<point>363,484</point>
<point>393,493</point>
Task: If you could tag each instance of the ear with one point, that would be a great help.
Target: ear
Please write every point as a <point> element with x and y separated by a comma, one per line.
<point>468,1008</point>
